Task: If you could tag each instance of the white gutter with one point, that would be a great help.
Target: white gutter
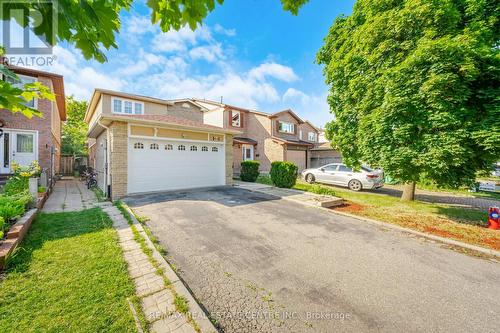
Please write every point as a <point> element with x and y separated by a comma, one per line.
<point>108,158</point>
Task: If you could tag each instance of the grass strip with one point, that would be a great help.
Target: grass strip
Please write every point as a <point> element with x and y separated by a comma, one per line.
<point>68,275</point>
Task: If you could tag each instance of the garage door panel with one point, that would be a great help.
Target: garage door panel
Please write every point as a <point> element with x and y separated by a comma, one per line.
<point>298,157</point>
<point>159,169</point>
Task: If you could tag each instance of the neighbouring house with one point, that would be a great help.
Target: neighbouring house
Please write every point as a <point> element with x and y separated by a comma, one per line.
<point>323,153</point>
<point>266,137</point>
<point>25,140</point>
<point>139,144</point>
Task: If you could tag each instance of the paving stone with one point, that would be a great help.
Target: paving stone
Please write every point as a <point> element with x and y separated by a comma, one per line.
<point>159,305</point>
<point>148,284</point>
<point>176,323</point>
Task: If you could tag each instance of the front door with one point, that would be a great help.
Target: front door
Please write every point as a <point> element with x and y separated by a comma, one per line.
<point>247,152</point>
<point>23,147</point>
<point>5,153</point>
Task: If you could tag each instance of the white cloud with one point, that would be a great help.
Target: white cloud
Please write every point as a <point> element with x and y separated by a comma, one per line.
<point>272,69</point>
<point>140,25</point>
<point>295,95</point>
<point>312,107</point>
<point>223,31</point>
<point>174,41</point>
<point>209,53</point>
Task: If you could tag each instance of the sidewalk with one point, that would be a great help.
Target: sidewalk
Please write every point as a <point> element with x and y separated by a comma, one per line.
<point>69,195</point>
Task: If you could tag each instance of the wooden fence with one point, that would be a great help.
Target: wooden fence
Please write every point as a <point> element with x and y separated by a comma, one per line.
<point>70,162</point>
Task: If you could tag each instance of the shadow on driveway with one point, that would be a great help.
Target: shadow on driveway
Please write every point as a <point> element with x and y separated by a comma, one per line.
<point>224,195</point>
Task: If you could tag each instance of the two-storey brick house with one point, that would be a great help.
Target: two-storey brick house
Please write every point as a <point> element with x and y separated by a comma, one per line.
<point>280,136</point>
<point>25,140</point>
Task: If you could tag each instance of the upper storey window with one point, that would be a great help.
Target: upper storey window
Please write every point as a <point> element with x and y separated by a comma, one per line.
<point>313,136</point>
<point>20,84</point>
<point>285,127</point>
<point>236,118</point>
<point>124,106</point>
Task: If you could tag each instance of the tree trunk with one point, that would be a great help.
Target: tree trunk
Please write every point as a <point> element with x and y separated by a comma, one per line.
<point>408,192</point>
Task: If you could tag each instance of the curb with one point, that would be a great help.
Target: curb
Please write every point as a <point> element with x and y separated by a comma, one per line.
<point>199,315</point>
<point>447,241</point>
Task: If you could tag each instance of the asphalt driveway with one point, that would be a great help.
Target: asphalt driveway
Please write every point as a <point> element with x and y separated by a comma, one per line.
<point>260,264</point>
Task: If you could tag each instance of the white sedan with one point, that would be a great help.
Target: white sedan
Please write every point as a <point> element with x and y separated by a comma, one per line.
<point>340,174</point>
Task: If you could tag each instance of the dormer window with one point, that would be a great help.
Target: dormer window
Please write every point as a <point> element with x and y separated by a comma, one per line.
<point>285,127</point>
<point>312,136</point>
<point>236,118</point>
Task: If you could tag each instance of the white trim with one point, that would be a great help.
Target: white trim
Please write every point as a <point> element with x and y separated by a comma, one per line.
<point>123,100</point>
<point>12,131</point>
<point>174,139</point>
<point>130,135</point>
<point>244,148</point>
<point>35,100</point>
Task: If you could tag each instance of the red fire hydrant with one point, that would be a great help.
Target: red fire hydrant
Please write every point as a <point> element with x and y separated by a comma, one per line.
<point>494,218</point>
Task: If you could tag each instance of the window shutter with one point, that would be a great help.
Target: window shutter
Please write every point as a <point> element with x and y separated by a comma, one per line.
<point>277,125</point>
<point>241,119</point>
<point>230,114</point>
<point>294,128</point>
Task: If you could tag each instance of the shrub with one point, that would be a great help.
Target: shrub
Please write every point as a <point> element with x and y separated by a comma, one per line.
<point>249,171</point>
<point>41,189</point>
<point>19,181</point>
<point>283,174</point>
<point>11,210</point>
<point>16,184</point>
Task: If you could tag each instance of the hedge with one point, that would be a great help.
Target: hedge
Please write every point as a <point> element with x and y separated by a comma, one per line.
<point>283,174</point>
<point>249,171</point>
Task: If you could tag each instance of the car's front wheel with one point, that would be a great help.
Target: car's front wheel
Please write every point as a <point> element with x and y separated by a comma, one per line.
<point>355,185</point>
<point>310,178</point>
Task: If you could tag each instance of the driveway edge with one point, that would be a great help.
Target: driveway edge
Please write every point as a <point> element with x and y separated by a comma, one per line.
<point>447,241</point>
<point>195,309</point>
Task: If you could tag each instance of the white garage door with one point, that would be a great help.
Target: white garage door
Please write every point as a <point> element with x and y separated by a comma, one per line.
<point>159,165</point>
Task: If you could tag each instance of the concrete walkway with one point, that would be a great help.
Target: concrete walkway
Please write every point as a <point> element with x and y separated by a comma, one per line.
<point>69,195</point>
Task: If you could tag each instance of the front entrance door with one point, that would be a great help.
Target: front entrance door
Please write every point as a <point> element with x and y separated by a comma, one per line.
<point>19,147</point>
<point>247,152</point>
<point>5,153</point>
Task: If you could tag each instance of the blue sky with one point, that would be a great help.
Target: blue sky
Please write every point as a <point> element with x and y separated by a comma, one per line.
<point>251,52</point>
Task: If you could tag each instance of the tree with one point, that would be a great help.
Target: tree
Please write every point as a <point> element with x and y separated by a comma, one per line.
<point>91,27</point>
<point>13,96</point>
<point>414,87</point>
<point>74,130</point>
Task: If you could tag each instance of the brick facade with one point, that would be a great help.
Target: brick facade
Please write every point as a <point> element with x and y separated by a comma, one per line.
<point>47,136</point>
<point>261,128</point>
<point>119,147</point>
<point>229,159</point>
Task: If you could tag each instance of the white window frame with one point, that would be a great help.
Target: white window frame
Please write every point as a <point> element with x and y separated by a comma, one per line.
<point>123,100</point>
<point>21,84</point>
<point>238,124</point>
<point>312,137</point>
<point>290,130</point>
<point>244,150</point>
<point>300,134</point>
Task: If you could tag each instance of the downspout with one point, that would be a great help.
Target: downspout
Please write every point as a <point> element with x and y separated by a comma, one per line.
<point>106,164</point>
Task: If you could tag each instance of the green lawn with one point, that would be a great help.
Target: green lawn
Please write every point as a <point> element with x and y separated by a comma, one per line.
<point>67,276</point>
<point>463,224</point>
